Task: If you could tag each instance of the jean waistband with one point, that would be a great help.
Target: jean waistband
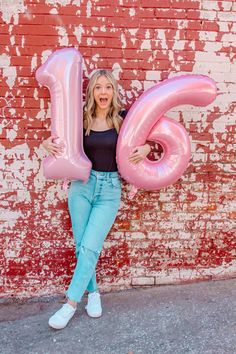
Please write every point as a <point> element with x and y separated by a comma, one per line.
<point>104,174</point>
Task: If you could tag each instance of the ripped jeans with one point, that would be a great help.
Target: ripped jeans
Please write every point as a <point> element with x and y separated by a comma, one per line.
<point>93,207</point>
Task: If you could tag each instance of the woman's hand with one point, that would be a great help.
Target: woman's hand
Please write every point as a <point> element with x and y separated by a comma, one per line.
<point>139,153</point>
<point>51,147</point>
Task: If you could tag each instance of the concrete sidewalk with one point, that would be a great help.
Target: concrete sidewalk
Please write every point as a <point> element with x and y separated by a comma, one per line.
<point>176,319</point>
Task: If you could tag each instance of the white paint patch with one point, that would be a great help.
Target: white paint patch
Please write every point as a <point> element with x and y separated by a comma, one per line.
<point>53,11</point>
<point>89,41</point>
<point>36,94</point>
<point>213,57</point>
<point>116,70</point>
<point>133,32</point>
<point>209,5</point>
<point>132,12</point>
<point>161,34</point>
<point>146,44</point>
<point>129,94</point>
<point>17,51</point>
<point>123,40</point>
<point>5,60</point>
<point>148,84</point>
<point>11,134</point>
<point>147,34</point>
<point>12,40</point>
<point>182,24</point>
<point>42,114</point>
<point>220,124</point>
<point>58,2</point>
<point>54,193</point>
<point>63,39</point>
<point>153,75</point>
<point>10,73</point>
<point>78,33</point>
<point>171,59</point>
<point>34,62</point>
<point>12,111</point>
<point>45,55</point>
<point>192,45</point>
<point>88,8</point>
<point>9,9</point>
<point>179,45</point>
<point>95,57</point>
<point>23,41</point>
<point>135,84</point>
<point>76,2</point>
<point>10,28</point>
<point>207,36</point>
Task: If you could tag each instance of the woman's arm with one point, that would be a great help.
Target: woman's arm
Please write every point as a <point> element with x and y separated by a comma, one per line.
<point>140,152</point>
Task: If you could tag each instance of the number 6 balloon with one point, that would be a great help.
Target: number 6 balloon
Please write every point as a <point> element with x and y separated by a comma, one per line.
<point>145,121</point>
<point>62,74</point>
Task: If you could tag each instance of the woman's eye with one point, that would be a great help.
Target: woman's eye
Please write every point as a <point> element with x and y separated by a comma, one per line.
<point>109,87</point>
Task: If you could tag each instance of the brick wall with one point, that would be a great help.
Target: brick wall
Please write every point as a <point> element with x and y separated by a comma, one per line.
<point>181,233</point>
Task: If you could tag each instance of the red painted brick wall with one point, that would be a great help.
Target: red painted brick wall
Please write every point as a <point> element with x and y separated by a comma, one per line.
<point>180,233</point>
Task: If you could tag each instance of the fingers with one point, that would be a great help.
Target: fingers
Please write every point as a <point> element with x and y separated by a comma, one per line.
<point>54,151</point>
<point>136,158</point>
<point>52,148</point>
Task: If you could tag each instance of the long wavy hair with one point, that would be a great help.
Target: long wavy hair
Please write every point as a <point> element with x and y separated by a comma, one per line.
<point>89,110</point>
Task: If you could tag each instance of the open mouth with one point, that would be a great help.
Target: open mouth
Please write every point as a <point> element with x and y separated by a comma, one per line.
<point>103,100</point>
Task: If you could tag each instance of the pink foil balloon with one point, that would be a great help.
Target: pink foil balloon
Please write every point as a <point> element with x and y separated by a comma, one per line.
<point>62,74</point>
<point>145,121</point>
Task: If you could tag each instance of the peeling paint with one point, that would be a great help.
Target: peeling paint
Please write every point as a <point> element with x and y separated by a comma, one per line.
<point>34,63</point>
<point>78,33</point>
<point>10,73</point>
<point>58,2</point>
<point>116,70</point>
<point>63,39</point>
<point>123,41</point>
<point>181,233</point>
<point>88,8</point>
<point>11,8</point>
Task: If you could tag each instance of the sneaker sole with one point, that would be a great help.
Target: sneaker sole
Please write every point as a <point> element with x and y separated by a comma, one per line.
<point>94,315</point>
<point>55,326</point>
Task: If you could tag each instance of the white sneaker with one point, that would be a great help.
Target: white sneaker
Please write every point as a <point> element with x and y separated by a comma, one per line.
<point>60,319</point>
<point>93,307</point>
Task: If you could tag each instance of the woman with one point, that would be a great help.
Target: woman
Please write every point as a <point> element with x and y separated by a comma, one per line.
<point>93,205</point>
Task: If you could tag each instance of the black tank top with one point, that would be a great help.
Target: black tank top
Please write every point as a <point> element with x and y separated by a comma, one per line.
<point>100,148</point>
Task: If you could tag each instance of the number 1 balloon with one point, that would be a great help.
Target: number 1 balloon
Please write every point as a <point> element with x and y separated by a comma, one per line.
<point>62,74</point>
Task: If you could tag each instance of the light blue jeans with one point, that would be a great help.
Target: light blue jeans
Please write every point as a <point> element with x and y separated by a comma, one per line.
<point>93,207</point>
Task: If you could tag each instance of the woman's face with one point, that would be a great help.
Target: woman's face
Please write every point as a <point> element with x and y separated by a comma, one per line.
<point>103,93</point>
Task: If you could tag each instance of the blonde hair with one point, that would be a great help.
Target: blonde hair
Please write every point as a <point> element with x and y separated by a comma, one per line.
<point>113,117</point>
